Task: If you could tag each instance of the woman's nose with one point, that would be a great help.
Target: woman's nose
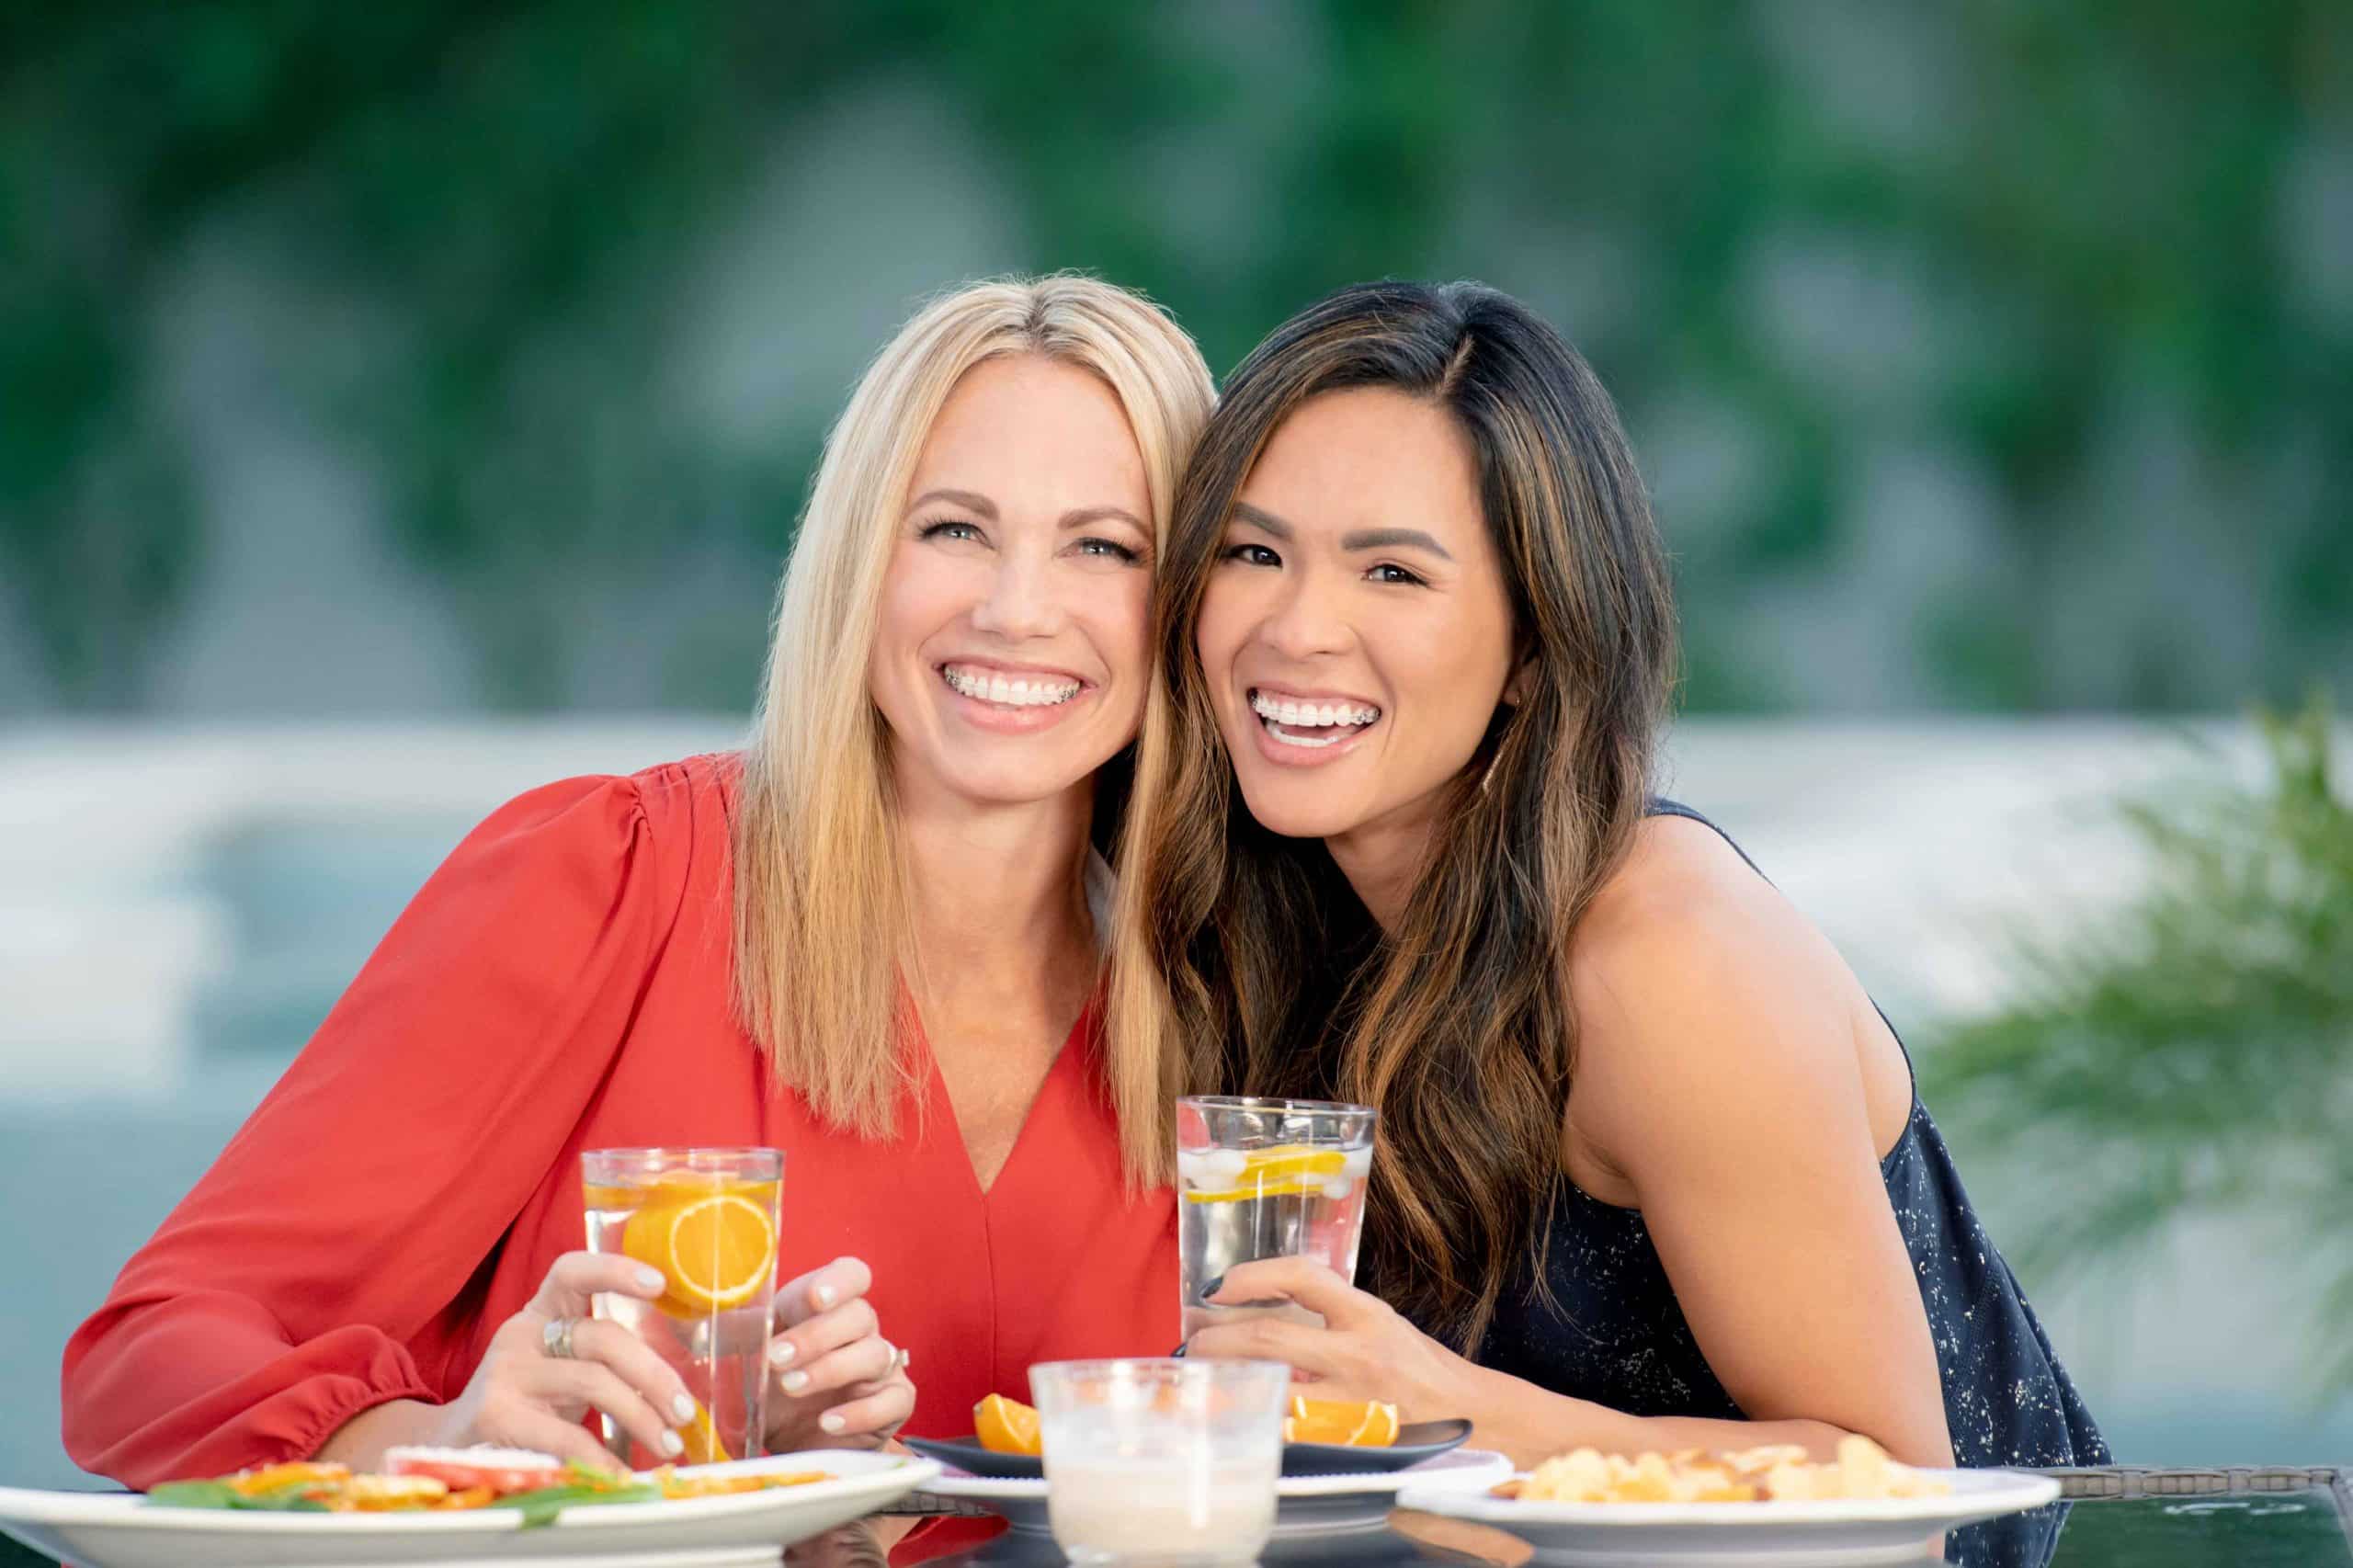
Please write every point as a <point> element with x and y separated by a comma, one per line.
<point>1306,622</point>
<point>1020,601</point>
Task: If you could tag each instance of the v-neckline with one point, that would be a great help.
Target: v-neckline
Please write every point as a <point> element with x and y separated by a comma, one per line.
<point>943,1105</point>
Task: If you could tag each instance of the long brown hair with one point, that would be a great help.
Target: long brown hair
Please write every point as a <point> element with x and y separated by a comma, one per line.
<point>1249,957</point>
<point>820,918</point>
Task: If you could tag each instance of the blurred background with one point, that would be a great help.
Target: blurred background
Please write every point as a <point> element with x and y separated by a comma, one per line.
<point>404,405</point>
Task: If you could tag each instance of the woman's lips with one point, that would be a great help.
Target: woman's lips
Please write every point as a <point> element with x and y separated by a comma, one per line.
<point>1031,704</point>
<point>1308,731</point>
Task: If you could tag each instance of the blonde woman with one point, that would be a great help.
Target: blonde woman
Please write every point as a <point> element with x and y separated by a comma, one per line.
<point>868,940</point>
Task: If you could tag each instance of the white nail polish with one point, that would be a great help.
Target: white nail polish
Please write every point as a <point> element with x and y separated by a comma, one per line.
<point>831,1421</point>
<point>827,1295</point>
<point>650,1278</point>
<point>782,1351</point>
<point>673,1445</point>
<point>683,1406</point>
<point>795,1382</point>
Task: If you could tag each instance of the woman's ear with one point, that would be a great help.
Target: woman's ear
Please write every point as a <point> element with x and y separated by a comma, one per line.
<point>1523,678</point>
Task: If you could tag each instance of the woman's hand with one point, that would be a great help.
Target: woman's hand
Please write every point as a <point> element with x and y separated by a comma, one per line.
<point>1363,1351</point>
<point>838,1382</point>
<point>521,1396</point>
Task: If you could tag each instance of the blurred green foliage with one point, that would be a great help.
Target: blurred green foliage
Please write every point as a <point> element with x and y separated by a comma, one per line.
<point>2031,237</point>
<point>2194,1053</point>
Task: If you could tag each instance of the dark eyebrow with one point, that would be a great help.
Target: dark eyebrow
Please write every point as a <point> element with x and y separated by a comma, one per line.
<point>1389,539</point>
<point>1266,522</point>
<point>964,498</point>
<point>1078,517</point>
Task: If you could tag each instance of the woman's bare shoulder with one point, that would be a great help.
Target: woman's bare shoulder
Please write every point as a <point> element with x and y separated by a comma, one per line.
<point>1690,968</point>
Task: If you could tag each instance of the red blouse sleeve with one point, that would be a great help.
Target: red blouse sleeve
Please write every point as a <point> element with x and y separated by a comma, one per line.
<point>282,1296</point>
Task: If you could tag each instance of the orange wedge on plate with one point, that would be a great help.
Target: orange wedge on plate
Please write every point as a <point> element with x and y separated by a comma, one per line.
<point>1344,1423</point>
<point>1006,1426</point>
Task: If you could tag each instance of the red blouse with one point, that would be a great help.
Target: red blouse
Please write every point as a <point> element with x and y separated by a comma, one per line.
<point>560,984</point>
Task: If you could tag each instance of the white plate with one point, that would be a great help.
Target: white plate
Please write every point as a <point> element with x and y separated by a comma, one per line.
<point>1753,1535</point>
<point>119,1530</point>
<point>1307,1505</point>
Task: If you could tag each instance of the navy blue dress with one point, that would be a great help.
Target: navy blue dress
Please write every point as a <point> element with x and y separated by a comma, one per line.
<point>1615,1335</point>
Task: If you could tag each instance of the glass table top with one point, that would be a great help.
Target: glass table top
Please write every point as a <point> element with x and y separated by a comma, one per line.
<point>2114,1518</point>
<point>2117,1517</point>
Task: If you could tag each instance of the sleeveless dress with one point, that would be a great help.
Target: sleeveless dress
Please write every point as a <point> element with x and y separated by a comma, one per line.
<point>1614,1333</point>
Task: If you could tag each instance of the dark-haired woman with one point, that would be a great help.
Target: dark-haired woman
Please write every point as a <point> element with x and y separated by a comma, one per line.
<point>1653,1174</point>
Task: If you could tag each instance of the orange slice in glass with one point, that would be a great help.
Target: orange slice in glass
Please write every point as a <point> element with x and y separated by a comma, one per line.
<point>715,1250</point>
<point>701,1437</point>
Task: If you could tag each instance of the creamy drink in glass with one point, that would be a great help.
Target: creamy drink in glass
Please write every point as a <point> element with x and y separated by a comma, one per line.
<point>1260,1178</point>
<point>1161,1463</point>
<point>707,1219</point>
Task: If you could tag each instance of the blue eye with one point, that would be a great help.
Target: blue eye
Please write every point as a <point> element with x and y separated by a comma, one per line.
<point>1253,555</point>
<point>949,529</point>
<point>1108,550</point>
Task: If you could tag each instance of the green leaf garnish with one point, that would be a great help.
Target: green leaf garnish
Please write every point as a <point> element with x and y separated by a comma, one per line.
<point>541,1506</point>
<point>194,1495</point>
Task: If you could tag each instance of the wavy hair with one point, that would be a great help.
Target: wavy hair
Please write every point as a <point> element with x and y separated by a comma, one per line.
<point>1252,964</point>
<point>820,922</point>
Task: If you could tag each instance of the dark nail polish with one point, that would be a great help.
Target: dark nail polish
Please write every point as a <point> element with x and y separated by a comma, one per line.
<point>1177,1354</point>
<point>1212,1288</point>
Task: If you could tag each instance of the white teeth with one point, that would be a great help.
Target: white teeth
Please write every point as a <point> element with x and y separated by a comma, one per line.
<point>1312,715</point>
<point>1316,742</point>
<point>1043,692</point>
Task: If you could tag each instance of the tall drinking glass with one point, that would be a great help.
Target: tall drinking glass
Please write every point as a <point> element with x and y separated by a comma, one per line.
<point>707,1219</point>
<point>1266,1179</point>
<point>1161,1464</point>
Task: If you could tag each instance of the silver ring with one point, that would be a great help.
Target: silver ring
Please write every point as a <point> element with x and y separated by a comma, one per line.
<point>555,1338</point>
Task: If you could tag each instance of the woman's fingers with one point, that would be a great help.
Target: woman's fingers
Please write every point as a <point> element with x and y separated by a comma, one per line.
<point>869,1360</point>
<point>882,1411</point>
<point>576,1276</point>
<point>821,1290</point>
<point>520,1422</point>
<point>1317,1351</point>
<point>584,1385</point>
<point>635,1362</point>
<point>811,1339</point>
<point>1301,1280</point>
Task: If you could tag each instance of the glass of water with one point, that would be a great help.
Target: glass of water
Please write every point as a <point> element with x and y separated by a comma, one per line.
<point>1161,1463</point>
<point>1266,1179</point>
<point>707,1219</point>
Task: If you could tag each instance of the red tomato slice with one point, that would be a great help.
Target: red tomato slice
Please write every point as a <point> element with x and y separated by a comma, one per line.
<point>500,1471</point>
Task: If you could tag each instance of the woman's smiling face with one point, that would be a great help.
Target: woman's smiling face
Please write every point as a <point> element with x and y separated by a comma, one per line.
<point>1011,652</point>
<point>1356,633</point>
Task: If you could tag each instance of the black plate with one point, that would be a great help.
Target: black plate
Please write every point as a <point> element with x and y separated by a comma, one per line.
<point>1419,1441</point>
<point>967,1455</point>
<point>1415,1441</point>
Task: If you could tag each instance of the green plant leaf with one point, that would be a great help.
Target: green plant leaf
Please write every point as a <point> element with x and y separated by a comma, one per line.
<point>2194,1053</point>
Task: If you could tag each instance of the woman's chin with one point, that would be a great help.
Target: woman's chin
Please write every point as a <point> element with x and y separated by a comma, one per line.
<point>1006,781</point>
<point>1291,808</point>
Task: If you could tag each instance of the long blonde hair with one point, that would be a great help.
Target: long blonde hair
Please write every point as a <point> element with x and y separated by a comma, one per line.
<point>820,913</point>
